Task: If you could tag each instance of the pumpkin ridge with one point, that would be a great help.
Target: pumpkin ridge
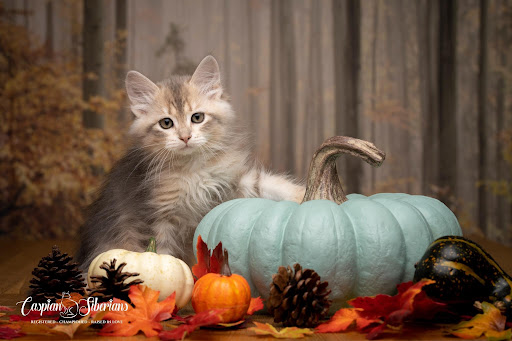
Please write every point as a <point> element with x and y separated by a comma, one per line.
<point>444,211</point>
<point>284,232</point>
<point>248,246</point>
<point>379,260</point>
<point>238,288</point>
<point>412,255</point>
<point>338,249</point>
<point>220,228</point>
<point>423,215</point>
<point>185,270</point>
<point>205,232</point>
<point>267,238</point>
<point>358,270</point>
<point>401,232</point>
<point>438,214</point>
<point>216,226</point>
<point>414,208</point>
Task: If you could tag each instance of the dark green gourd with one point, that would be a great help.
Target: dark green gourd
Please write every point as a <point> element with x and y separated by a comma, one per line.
<point>464,273</point>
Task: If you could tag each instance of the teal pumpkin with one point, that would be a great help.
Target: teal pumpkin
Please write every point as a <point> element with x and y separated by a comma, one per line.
<point>361,245</point>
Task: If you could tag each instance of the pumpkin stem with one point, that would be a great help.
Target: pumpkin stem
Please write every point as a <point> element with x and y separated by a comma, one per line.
<point>151,245</point>
<point>225,270</point>
<point>323,181</point>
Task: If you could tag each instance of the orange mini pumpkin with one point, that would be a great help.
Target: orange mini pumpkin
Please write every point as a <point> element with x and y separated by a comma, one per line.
<point>222,290</point>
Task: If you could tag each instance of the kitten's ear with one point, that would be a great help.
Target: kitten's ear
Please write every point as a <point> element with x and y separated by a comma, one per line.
<point>141,92</point>
<point>207,78</point>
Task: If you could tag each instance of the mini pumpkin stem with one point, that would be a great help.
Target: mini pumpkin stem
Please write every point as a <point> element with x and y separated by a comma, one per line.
<point>323,181</point>
<point>225,270</point>
<point>151,245</point>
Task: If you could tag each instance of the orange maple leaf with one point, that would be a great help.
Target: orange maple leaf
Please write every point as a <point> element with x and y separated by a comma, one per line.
<point>255,305</point>
<point>285,333</point>
<point>491,324</point>
<point>145,317</point>
<point>344,318</point>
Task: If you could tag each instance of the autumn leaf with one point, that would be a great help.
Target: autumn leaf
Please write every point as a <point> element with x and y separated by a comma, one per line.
<point>203,319</point>
<point>491,324</point>
<point>388,312</point>
<point>7,333</point>
<point>237,324</point>
<point>4,308</point>
<point>411,302</point>
<point>35,315</point>
<point>203,259</point>
<point>285,333</point>
<point>344,318</point>
<point>145,317</point>
<point>207,262</point>
<point>255,305</point>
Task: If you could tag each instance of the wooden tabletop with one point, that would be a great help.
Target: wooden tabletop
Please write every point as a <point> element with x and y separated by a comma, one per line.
<point>20,257</point>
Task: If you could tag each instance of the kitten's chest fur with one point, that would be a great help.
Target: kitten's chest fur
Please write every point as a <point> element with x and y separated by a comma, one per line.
<point>190,192</point>
<point>181,196</point>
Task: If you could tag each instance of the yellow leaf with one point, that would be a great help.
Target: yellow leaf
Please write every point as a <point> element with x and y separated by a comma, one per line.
<point>285,333</point>
<point>490,324</point>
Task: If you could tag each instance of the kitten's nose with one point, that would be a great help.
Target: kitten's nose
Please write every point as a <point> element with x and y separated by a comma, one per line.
<point>185,138</point>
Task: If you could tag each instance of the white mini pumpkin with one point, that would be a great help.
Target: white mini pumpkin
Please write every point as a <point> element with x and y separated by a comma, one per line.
<point>164,273</point>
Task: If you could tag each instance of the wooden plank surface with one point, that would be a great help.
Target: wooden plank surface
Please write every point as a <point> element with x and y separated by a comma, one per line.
<point>20,257</point>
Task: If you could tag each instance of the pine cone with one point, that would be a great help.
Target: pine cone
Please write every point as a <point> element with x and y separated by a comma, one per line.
<point>55,274</point>
<point>113,285</point>
<point>299,299</point>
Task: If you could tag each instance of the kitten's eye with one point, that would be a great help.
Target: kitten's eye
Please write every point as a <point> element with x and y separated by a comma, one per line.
<point>198,117</point>
<point>166,123</point>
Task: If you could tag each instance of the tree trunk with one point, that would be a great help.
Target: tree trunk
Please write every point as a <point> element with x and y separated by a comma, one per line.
<point>311,129</point>
<point>447,94</point>
<point>48,44</point>
<point>93,60</point>
<point>347,50</point>
<point>121,57</point>
<point>283,85</point>
<point>427,43</point>
<point>75,25</point>
<point>482,121</point>
<point>374,84</point>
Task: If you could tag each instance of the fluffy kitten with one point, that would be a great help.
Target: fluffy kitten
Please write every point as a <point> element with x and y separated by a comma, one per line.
<point>185,159</point>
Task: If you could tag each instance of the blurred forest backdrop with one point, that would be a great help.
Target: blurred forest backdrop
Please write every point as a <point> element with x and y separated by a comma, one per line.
<point>429,82</point>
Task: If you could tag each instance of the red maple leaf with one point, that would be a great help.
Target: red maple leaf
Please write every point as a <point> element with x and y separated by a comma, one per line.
<point>8,333</point>
<point>206,318</point>
<point>35,315</point>
<point>410,303</point>
<point>206,262</point>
